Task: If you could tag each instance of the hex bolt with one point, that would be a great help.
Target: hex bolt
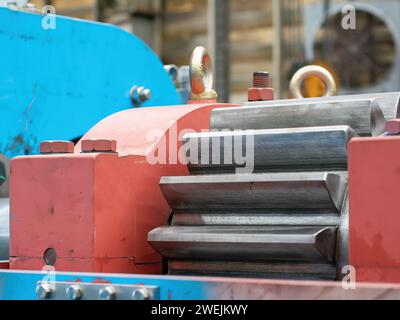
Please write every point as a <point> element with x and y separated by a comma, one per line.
<point>98,145</point>
<point>43,291</point>
<point>139,95</point>
<point>260,79</point>
<point>144,94</point>
<point>141,294</point>
<point>107,293</point>
<point>73,292</point>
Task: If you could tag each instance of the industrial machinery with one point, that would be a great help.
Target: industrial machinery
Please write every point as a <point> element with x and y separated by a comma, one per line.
<point>287,215</point>
<point>56,83</point>
<point>272,199</point>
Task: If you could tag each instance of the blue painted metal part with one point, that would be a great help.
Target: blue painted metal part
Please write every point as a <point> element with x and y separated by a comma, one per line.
<point>56,84</point>
<point>21,285</point>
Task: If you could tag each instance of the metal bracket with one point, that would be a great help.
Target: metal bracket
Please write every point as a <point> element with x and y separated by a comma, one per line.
<point>94,291</point>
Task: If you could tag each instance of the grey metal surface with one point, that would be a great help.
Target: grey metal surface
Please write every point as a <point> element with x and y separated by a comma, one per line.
<point>267,192</point>
<point>4,176</point>
<point>289,217</point>
<point>365,117</point>
<point>94,291</point>
<point>294,149</point>
<point>254,243</point>
<point>219,45</point>
<point>255,219</point>
<point>298,271</point>
<point>4,228</point>
<point>389,102</point>
<point>342,248</point>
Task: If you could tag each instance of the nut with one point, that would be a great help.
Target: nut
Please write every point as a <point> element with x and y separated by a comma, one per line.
<point>99,145</point>
<point>260,94</point>
<point>56,147</point>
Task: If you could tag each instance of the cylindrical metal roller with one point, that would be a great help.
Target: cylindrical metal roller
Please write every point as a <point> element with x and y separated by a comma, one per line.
<point>4,229</point>
<point>365,117</point>
<point>309,192</point>
<point>294,149</point>
<point>389,102</point>
<point>253,243</point>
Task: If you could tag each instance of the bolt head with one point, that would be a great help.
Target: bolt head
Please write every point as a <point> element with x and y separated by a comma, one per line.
<point>107,293</point>
<point>43,291</point>
<point>144,94</point>
<point>141,294</point>
<point>73,292</point>
<point>139,95</point>
<point>260,94</point>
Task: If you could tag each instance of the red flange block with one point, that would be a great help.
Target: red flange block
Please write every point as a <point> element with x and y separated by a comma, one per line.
<point>374,175</point>
<point>56,147</point>
<point>95,209</point>
<point>260,94</point>
<point>99,145</point>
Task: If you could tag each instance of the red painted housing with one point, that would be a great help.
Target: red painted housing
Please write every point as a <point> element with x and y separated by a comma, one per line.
<point>96,208</point>
<point>374,174</point>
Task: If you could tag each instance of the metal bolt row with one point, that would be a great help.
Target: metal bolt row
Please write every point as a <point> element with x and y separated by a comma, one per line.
<point>75,292</point>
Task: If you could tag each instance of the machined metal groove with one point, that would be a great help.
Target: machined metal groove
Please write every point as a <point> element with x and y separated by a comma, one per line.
<point>253,243</point>
<point>342,247</point>
<point>294,149</point>
<point>255,219</point>
<point>365,117</point>
<point>267,192</point>
<point>302,271</point>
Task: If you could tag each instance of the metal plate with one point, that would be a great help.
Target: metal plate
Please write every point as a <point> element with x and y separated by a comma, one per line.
<point>56,84</point>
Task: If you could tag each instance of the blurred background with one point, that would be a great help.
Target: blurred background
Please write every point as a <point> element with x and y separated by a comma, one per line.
<point>278,36</point>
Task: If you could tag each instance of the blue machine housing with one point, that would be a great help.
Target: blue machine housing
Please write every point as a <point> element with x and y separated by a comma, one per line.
<point>55,84</point>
